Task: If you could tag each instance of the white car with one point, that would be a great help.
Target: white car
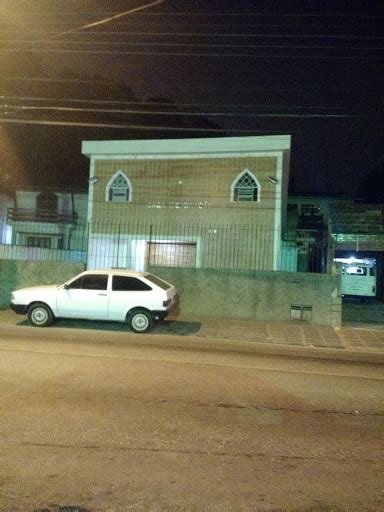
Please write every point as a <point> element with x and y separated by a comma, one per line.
<point>138,298</point>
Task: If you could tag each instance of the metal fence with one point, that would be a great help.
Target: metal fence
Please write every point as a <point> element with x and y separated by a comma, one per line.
<point>138,245</point>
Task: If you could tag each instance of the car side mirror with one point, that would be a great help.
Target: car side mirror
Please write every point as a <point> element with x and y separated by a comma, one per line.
<point>66,287</point>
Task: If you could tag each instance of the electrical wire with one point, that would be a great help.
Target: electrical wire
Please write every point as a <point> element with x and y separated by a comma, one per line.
<point>102,21</point>
<point>195,25</point>
<point>28,108</point>
<point>198,54</point>
<point>189,34</point>
<point>224,130</point>
<point>215,14</point>
<point>48,122</point>
<point>59,80</point>
<point>104,82</point>
<point>161,103</point>
<point>194,45</point>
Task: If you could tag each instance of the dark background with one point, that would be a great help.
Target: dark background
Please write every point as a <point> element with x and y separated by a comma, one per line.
<point>181,69</point>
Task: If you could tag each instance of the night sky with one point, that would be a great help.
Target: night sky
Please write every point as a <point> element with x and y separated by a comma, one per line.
<point>179,69</point>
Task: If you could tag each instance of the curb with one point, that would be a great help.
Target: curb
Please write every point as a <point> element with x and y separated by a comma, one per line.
<point>203,344</point>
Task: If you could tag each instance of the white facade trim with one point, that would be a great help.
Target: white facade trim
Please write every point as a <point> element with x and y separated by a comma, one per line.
<point>183,156</point>
<point>187,147</point>
<point>91,188</point>
<point>278,206</point>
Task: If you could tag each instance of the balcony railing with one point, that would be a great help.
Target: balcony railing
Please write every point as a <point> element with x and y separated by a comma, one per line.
<point>30,215</point>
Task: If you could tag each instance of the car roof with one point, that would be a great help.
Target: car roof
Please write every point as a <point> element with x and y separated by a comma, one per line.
<point>120,271</point>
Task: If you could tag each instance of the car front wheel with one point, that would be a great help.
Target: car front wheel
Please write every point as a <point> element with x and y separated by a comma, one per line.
<point>40,315</point>
<point>140,320</point>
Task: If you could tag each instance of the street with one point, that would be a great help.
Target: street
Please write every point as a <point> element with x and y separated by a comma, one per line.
<point>113,421</point>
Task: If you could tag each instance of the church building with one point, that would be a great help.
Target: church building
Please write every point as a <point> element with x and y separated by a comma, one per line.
<point>207,202</point>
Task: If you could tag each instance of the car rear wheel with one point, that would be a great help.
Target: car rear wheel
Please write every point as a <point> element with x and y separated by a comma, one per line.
<point>40,315</point>
<point>140,320</point>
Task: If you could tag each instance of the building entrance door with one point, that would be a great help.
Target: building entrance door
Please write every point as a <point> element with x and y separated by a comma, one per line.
<point>171,254</point>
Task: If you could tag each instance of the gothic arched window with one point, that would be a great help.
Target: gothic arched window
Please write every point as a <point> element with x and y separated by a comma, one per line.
<point>119,189</point>
<point>245,187</point>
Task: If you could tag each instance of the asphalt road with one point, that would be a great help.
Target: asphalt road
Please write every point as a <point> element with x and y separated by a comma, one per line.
<point>116,421</point>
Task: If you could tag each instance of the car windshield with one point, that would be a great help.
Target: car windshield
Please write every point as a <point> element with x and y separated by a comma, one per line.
<point>159,282</point>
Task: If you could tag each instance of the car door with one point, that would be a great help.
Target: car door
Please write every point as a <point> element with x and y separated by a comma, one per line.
<point>85,297</point>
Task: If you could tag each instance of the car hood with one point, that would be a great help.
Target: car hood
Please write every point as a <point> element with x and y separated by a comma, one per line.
<point>47,287</point>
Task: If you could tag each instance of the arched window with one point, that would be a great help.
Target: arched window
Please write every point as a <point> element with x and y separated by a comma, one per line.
<point>245,187</point>
<point>119,189</point>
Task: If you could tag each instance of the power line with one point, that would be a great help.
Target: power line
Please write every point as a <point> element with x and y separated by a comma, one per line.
<point>214,14</point>
<point>119,15</point>
<point>263,14</point>
<point>161,103</point>
<point>105,82</point>
<point>102,82</point>
<point>61,80</point>
<point>49,122</point>
<point>192,45</point>
<point>187,34</point>
<point>195,25</point>
<point>28,108</point>
<point>103,21</point>
<point>80,124</point>
<point>196,54</point>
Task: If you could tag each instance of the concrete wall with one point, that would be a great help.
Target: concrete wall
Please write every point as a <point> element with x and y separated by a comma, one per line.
<point>267,296</point>
<point>19,274</point>
<point>16,252</point>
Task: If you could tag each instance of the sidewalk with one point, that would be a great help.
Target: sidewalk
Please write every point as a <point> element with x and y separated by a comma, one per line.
<point>309,338</point>
<point>365,338</point>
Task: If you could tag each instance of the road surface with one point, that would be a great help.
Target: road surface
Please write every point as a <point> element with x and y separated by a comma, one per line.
<point>116,421</point>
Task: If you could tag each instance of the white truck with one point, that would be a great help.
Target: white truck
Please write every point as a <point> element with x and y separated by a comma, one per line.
<point>358,279</point>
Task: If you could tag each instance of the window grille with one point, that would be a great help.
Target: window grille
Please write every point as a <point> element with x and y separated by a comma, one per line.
<point>245,189</point>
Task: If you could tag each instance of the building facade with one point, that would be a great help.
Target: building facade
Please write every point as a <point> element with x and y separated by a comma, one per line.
<point>209,203</point>
<point>46,221</point>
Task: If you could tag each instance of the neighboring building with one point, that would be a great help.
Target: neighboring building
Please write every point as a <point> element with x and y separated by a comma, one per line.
<point>307,232</point>
<point>357,233</point>
<point>6,202</point>
<point>326,229</point>
<point>212,203</point>
<point>49,220</point>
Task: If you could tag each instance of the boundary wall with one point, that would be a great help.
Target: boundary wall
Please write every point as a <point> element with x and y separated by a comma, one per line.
<point>20,274</point>
<point>257,295</point>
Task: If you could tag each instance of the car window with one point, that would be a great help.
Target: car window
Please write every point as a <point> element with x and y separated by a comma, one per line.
<point>131,284</point>
<point>355,271</point>
<point>156,280</point>
<point>90,282</point>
